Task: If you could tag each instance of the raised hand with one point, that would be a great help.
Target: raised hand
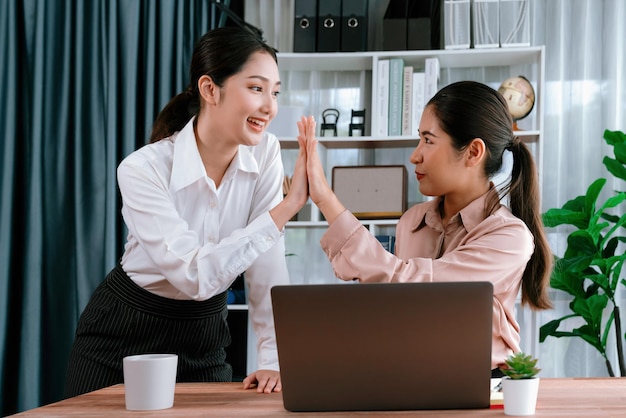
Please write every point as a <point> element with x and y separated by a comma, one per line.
<point>319,190</point>
<point>298,186</point>
<point>298,192</point>
<point>318,185</point>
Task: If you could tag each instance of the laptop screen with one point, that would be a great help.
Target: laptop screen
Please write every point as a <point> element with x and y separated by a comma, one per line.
<point>391,346</point>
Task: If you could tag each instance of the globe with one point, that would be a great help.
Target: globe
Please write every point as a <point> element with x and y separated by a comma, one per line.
<point>519,95</point>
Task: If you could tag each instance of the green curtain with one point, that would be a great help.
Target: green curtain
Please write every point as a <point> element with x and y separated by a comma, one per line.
<point>82,81</point>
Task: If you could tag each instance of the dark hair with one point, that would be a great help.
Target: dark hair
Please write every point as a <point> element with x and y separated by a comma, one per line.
<point>219,53</point>
<point>468,110</point>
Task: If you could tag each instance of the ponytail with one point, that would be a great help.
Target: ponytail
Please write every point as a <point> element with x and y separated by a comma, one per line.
<point>175,114</point>
<point>524,202</point>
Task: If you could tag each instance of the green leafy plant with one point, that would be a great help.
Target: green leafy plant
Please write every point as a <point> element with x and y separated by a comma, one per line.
<point>591,266</point>
<point>520,366</point>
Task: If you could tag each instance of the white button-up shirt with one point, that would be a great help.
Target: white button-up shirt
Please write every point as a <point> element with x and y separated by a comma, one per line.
<point>189,240</point>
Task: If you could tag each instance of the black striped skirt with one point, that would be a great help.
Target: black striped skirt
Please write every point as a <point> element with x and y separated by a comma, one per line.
<point>123,319</point>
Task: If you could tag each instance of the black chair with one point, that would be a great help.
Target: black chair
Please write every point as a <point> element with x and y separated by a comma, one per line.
<point>359,125</point>
<point>329,121</point>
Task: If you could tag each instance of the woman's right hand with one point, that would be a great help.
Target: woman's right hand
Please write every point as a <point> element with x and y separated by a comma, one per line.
<point>319,190</point>
<point>298,193</point>
<point>299,187</point>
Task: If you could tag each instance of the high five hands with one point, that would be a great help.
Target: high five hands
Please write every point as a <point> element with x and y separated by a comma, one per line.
<point>308,180</point>
<point>318,188</point>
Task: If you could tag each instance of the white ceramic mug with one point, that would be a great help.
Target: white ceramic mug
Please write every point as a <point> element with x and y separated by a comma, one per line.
<point>149,381</point>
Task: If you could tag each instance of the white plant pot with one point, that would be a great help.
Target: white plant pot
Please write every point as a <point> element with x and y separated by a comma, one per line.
<point>520,396</point>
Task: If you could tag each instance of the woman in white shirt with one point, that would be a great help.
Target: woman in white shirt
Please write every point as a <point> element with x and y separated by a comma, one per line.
<point>203,203</point>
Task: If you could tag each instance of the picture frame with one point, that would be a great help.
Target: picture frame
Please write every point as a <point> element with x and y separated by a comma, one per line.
<point>372,191</point>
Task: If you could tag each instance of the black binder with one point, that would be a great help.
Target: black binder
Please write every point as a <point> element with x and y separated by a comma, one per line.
<point>395,25</point>
<point>419,24</point>
<point>353,25</point>
<point>424,26</point>
<point>305,26</point>
<point>328,26</point>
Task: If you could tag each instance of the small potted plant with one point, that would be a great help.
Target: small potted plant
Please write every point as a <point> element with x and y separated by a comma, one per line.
<point>520,384</point>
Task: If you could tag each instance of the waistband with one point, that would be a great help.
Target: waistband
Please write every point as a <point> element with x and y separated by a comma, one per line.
<point>129,292</point>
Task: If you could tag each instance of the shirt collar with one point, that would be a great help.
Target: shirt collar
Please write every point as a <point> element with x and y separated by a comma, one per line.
<point>470,216</point>
<point>243,161</point>
<point>187,166</point>
<point>430,214</point>
<point>474,213</point>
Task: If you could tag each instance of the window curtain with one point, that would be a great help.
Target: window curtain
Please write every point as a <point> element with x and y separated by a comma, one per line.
<point>584,95</point>
<point>81,83</point>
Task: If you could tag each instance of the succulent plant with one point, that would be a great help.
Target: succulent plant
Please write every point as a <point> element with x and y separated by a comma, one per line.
<point>520,366</point>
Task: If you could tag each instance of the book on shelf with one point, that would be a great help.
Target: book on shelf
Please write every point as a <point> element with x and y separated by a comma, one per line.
<point>407,98</point>
<point>382,95</point>
<point>431,78</point>
<point>387,241</point>
<point>417,103</point>
<point>396,75</point>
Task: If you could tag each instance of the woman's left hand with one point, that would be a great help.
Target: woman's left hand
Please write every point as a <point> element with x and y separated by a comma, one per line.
<point>266,381</point>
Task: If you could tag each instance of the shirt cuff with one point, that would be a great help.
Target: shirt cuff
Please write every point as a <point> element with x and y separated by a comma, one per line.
<point>264,226</point>
<point>268,360</point>
<point>339,232</point>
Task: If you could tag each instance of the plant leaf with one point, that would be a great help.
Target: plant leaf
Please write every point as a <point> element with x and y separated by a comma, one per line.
<point>619,150</point>
<point>607,328</point>
<point>614,137</point>
<point>609,248</point>
<point>556,217</point>
<point>577,204</point>
<point>591,309</point>
<point>581,244</point>
<point>550,328</point>
<point>602,281</point>
<point>568,282</point>
<point>615,167</point>
<point>592,194</point>
<point>588,334</point>
<point>614,201</point>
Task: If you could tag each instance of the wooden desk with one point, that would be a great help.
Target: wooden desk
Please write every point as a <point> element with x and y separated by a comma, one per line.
<point>595,397</point>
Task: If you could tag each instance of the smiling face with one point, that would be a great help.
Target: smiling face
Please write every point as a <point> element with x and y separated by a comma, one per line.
<point>243,107</point>
<point>439,167</point>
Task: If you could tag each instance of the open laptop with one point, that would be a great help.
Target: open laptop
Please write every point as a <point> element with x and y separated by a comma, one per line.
<point>391,346</point>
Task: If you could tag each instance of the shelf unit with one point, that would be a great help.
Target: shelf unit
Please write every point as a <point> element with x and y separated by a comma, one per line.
<point>491,66</point>
<point>315,81</point>
<point>308,83</point>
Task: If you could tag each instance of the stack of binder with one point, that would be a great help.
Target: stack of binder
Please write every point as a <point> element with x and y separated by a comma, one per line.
<point>330,26</point>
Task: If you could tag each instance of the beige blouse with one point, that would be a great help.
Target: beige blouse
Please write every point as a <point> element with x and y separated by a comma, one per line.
<point>471,247</point>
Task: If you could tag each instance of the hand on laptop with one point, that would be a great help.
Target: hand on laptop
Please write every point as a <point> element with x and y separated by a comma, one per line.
<point>266,381</point>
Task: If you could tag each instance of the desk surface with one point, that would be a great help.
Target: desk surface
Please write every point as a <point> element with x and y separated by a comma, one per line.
<point>594,397</point>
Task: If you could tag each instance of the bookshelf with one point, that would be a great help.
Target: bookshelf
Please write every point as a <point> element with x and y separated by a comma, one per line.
<point>491,66</point>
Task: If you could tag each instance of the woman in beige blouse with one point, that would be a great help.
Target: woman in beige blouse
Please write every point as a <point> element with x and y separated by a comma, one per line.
<point>464,232</point>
